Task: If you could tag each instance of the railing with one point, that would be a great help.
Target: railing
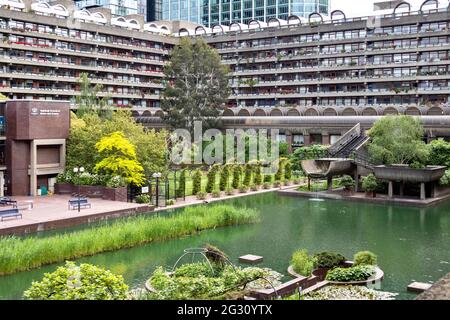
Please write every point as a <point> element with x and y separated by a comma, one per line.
<point>345,139</point>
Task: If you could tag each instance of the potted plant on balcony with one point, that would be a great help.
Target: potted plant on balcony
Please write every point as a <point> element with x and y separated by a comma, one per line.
<point>370,185</point>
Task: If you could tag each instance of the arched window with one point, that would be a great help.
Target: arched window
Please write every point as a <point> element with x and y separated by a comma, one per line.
<point>428,2</point>
<point>315,15</point>
<point>403,4</point>
<point>338,13</point>
<point>294,19</point>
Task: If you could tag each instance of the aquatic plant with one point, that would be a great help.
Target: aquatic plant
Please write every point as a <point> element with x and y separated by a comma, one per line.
<point>20,254</point>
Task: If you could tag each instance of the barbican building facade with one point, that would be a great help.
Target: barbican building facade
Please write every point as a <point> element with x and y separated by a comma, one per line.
<point>394,63</point>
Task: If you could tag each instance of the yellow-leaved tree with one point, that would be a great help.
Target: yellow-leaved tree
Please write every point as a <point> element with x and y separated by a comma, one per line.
<point>118,158</point>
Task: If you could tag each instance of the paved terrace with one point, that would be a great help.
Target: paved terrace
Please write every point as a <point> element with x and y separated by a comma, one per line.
<point>438,291</point>
<point>51,212</point>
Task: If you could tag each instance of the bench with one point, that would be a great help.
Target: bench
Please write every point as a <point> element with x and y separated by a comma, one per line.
<point>10,213</point>
<point>81,203</point>
<point>8,202</point>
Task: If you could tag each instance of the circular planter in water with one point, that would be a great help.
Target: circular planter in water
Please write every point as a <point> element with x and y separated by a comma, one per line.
<point>321,274</point>
<point>377,277</point>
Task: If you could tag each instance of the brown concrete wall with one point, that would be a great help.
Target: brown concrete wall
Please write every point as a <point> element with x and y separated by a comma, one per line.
<point>29,120</point>
<point>17,161</point>
<point>47,154</point>
<point>26,121</point>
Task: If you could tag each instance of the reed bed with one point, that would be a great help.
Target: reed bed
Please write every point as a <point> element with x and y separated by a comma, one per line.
<point>21,254</point>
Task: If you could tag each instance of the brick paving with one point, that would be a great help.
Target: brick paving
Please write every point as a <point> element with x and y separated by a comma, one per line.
<point>440,290</point>
<point>51,212</point>
<point>48,211</point>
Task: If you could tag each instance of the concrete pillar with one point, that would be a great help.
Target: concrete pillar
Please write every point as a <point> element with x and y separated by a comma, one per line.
<point>307,139</point>
<point>402,188</point>
<point>2,184</point>
<point>422,191</point>
<point>390,189</point>
<point>433,190</point>
<point>330,183</point>
<point>289,140</point>
<point>33,169</point>
<point>325,138</point>
<point>356,178</point>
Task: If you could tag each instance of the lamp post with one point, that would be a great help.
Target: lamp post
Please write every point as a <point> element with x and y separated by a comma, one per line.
<point>157,175</point>
<point>79,170</point>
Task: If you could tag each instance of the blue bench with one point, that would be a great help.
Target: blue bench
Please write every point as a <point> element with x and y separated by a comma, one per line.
<point>82,203</point>
<point>8,202</point>
<point>10,213</point>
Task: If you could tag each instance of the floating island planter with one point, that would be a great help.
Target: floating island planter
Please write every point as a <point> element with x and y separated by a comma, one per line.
<point>407,174</point>
<point>213,276</point>
<point>336,270</point>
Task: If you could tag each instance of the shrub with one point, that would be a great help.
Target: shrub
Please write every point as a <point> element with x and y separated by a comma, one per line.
<point>266,185</point>
<point>211,183</point>
<point>181,191</point>
<point>143,198</point>
<point>254,187</point>
<point>302,263</point>
<point>224,177</point>
<point>277,184</point>
<point>445,180</point>
<point>229,191</point>
<point>356,273</point>
<point>170,202</point>
<point>236,177</point>
<point>439,153</point>
<point>288,171</point>
<point>20,254</point>
<point>243,189</point>
<point>279,173</point>
<point>369,183</point>
<point>347,182</point>
<point>197,182</point>
<point>65,177</point>
<point>116,182</point>
<point>201,195</point>
<point>365,257</point>
<point>84,282</point>
<point>216,194</point>
<point>258,175</point>
<point>248,174</point>
<point>199,281</point>
<point>328,259</point>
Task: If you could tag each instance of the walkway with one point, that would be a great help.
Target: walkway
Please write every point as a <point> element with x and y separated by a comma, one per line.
<point>51,212</point>
<point>438,291</point>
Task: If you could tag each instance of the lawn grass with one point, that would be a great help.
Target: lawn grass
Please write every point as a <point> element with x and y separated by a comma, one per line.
<point>21,254</point>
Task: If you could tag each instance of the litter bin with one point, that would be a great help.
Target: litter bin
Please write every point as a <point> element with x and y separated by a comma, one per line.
<point>44,191</point>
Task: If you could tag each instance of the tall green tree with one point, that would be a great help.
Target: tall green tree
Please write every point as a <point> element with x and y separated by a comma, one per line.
<point>196,85</point>
<point>398,140</point>
<point>88,101</point>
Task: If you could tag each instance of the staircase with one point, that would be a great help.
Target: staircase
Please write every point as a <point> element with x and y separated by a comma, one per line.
<point>348,150</point>
<point>349,143</point>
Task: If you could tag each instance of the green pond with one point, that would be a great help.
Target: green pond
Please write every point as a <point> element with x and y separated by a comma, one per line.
<point>412,244</point>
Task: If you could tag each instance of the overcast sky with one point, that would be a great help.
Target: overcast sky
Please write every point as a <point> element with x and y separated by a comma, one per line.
<point>358,8</point>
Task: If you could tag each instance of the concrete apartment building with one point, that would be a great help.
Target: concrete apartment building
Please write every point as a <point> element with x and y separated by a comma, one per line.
<point>312,79</point>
